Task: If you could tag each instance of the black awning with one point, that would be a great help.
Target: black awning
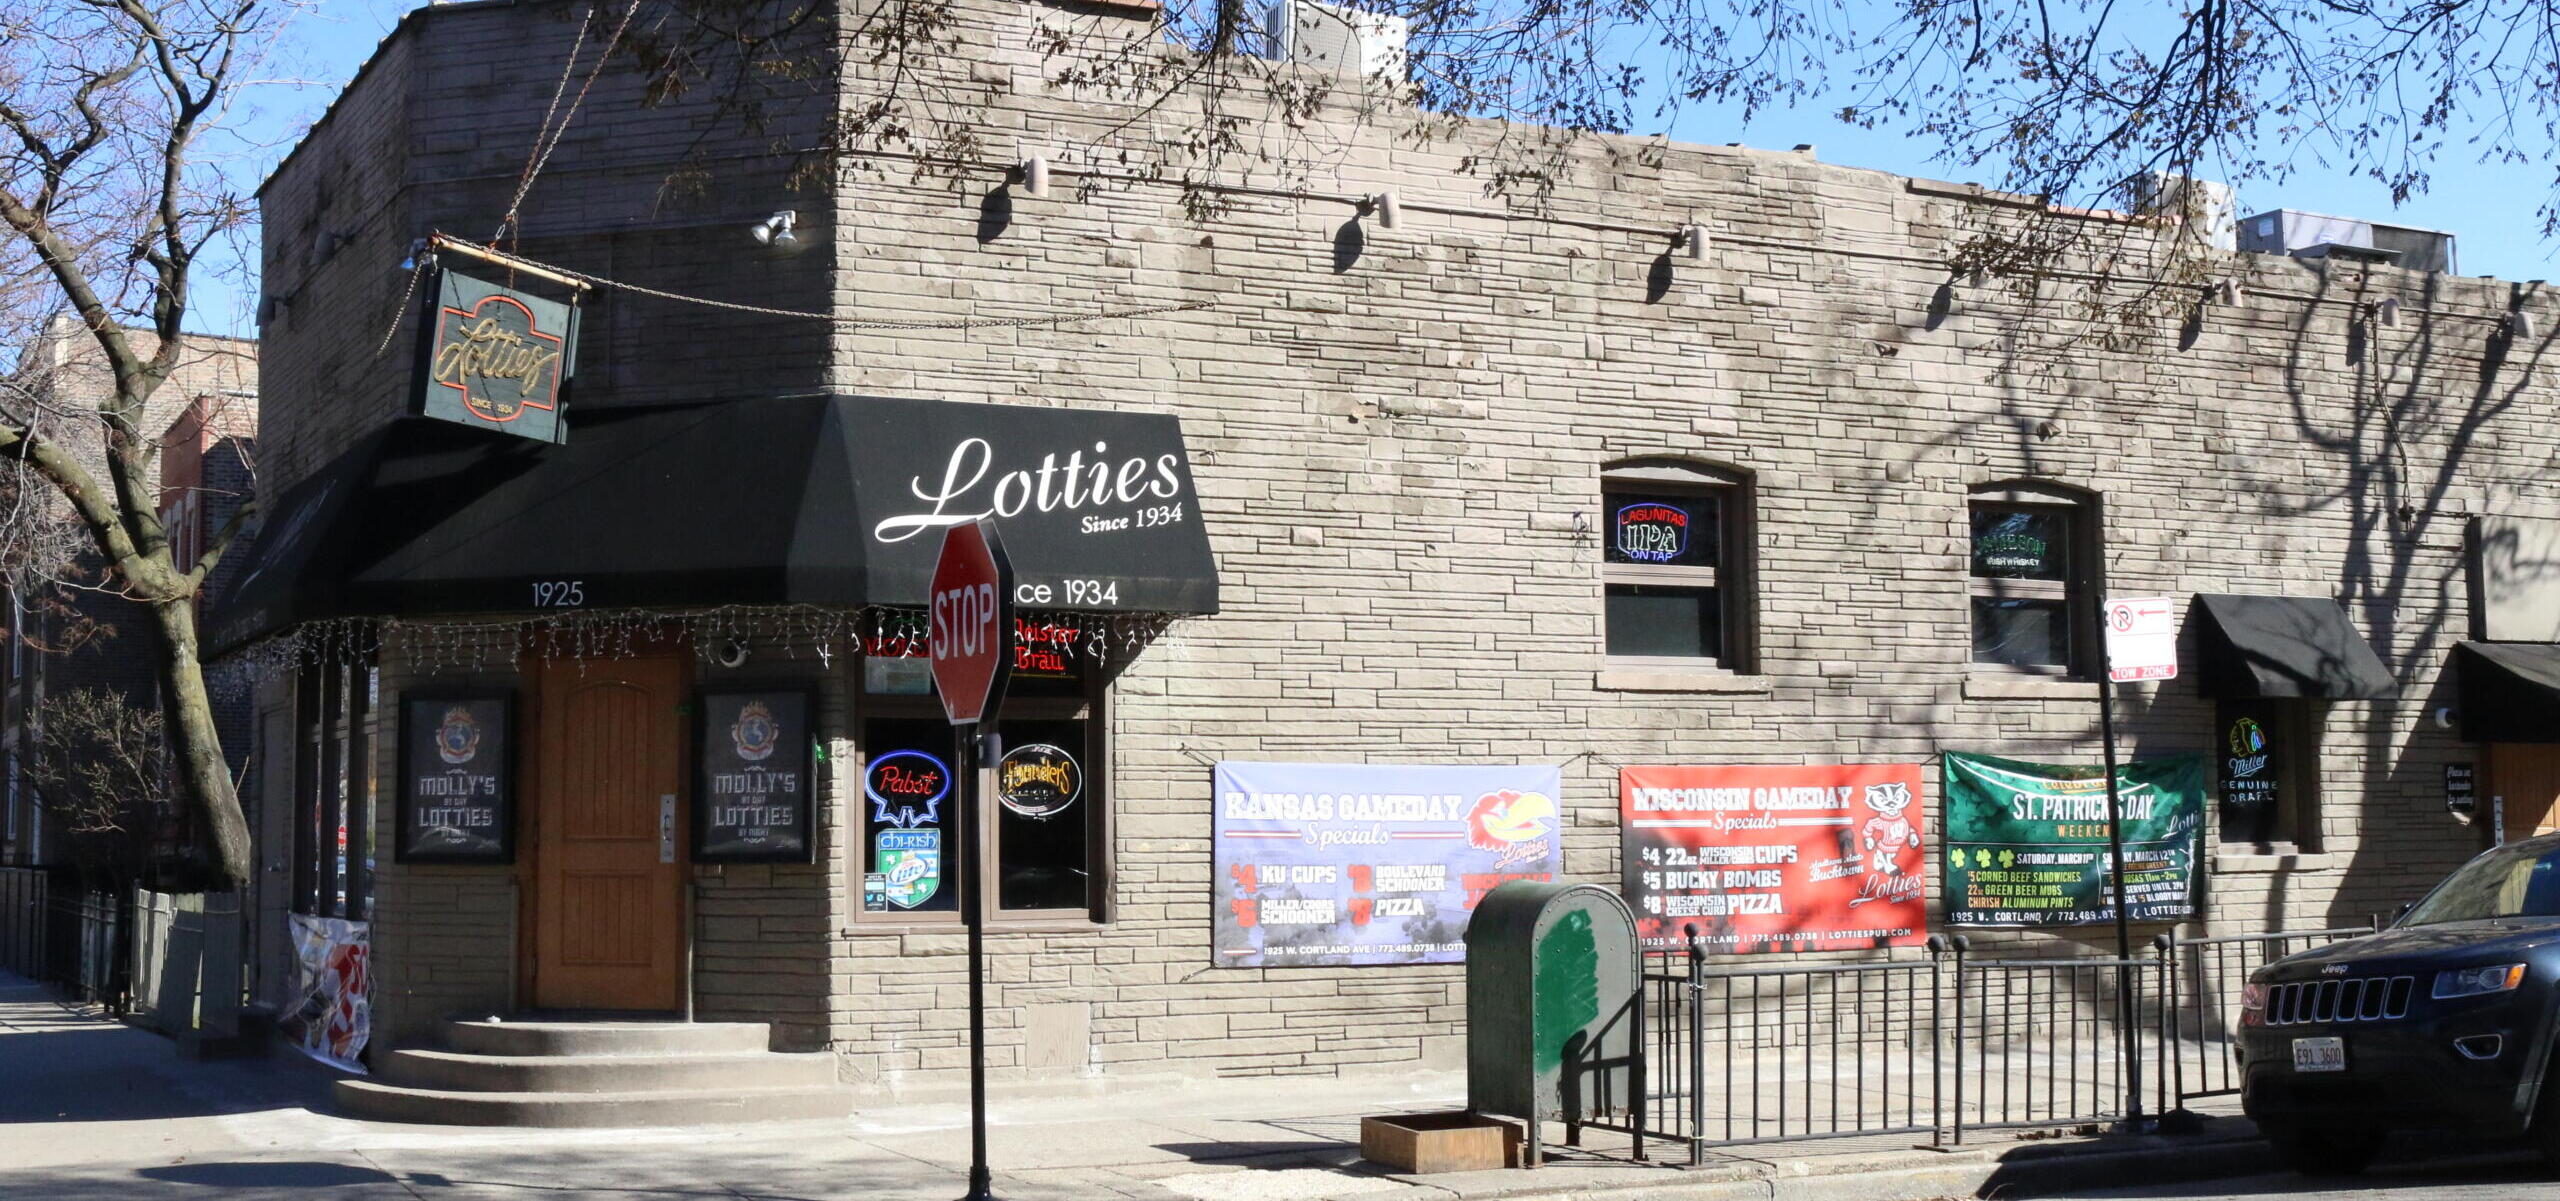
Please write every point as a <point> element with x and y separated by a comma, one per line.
<point>2508,691</point>
<point>2287,646</point>
<point>823,500</point>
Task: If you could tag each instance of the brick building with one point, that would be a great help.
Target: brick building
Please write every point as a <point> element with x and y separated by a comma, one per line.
<point>1407,444</point>
<point>77,637</point>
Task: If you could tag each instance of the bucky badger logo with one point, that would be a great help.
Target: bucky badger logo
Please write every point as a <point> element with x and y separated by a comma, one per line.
<point>1885,841</point>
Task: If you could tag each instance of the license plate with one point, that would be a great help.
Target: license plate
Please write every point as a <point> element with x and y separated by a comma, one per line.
<point>2319,1055</point>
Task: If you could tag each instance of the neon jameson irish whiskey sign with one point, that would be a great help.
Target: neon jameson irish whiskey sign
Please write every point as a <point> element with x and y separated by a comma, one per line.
<point>496,357</point>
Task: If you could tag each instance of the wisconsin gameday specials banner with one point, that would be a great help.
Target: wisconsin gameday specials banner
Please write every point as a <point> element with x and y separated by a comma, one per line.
<point>1819,858</point>
<point>2027,842</point>
<point>1350,863</point>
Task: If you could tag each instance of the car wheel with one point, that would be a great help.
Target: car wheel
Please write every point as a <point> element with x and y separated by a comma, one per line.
<point>2334,1152</point>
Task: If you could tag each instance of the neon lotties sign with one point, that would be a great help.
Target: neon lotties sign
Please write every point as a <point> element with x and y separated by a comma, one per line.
<point>495,357</point>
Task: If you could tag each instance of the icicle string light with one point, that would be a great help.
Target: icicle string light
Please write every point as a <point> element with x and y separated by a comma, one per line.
<point>429,647</point>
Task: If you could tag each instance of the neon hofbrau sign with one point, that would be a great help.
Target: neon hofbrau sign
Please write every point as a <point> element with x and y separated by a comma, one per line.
<point>1652,532</point>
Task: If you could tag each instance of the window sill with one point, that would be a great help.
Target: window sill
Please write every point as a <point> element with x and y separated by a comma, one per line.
<point>1996,686</point>
<point>2246,863</point>
<point>893,928</point>
<point>1676,679</point>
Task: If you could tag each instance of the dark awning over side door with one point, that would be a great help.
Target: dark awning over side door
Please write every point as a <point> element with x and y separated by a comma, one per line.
<point>2508,691</point>
<point>2287,646</point>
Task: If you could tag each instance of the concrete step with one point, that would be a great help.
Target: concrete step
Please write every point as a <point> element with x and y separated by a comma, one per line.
<point>392,1103</point>
<point>461,1071</point>
<point>606,1038</point>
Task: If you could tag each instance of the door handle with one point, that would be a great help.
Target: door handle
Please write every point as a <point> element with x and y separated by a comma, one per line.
<point>667,827</point>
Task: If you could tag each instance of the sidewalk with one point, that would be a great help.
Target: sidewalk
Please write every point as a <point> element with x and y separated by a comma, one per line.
<point>92,1110</point>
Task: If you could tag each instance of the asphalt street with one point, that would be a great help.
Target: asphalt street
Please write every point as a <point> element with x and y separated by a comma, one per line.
<point>2481,1177</point>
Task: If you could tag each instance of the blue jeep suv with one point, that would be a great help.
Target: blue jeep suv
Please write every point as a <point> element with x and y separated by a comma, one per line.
<point>2442,1021</point>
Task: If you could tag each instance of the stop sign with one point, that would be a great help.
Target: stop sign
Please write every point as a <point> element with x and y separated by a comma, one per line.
<point>971,622</point>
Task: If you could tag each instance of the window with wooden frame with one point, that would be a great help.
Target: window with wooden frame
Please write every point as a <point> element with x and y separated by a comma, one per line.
<point>1676,565</point>
<point>2034,580</point>
<point>1044,826</point>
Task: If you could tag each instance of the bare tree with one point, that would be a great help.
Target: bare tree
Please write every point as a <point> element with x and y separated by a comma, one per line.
<point>107,183</point>
<point>103,772</point>
<point>2066,102</point>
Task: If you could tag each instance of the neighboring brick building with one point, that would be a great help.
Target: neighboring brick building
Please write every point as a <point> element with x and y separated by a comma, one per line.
<point>1399,440</point>
<point>75,637</point>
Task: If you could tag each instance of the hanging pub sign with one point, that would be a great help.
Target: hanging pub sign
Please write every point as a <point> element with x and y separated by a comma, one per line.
<point>752,801</point>
<point>1038,780</point>
<point>1825,857</point>
<point>495,357</point>
<point>457,794</point>
<point>2026,843</point>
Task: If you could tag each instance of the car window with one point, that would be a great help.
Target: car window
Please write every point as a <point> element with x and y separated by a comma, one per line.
<point>2508,882</point>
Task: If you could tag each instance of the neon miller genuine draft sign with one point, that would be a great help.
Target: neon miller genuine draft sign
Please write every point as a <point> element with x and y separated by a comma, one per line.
<point>496,357</point>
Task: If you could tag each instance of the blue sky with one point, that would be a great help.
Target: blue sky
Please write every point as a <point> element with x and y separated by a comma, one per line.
<point>2493,208</point>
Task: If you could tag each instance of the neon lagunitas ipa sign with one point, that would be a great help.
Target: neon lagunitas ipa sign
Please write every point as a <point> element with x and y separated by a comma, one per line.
<point>496,357</point>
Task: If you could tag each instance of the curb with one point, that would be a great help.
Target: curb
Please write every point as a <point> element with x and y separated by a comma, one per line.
<point>2027,1171</point>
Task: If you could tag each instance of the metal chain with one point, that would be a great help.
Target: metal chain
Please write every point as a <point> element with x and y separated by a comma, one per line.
<point>533,154</point>
<point>401,313</point>
<point>605,56</point>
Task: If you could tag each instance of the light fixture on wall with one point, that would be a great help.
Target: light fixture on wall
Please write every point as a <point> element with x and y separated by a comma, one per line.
<point>2388,311</point>
<point>2520,325</point>
<point>776,230</point>
<point>1693,243</point>
<point>1035,176</point>
<point>1390,214</point>
<point>2227,293</point>
<point>733,654</point>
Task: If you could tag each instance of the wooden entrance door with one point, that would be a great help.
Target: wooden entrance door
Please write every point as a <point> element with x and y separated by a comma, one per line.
<point>608,900</point>
<point>2527,775</point>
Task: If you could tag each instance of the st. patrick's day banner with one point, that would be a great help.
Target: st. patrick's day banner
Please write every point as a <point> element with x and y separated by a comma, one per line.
<point>1353,863</point>
<point>2026,843</point>
<point>1819,858</point>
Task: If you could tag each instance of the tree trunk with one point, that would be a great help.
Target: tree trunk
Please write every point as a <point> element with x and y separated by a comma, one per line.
<point>204,779</point>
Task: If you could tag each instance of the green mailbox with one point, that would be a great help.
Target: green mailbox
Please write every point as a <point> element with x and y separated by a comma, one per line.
<point>1555,1010</point>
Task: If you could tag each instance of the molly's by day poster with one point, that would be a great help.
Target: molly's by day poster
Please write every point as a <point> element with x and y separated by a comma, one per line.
<point>1322,864</point>
<point>1774,858</point>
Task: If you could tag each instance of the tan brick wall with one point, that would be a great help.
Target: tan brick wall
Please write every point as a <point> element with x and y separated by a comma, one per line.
<point>1391,458</point>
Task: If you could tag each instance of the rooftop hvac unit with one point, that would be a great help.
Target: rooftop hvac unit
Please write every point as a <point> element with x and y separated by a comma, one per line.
<point>2316,235</point>
<point>1338,38</point>
<point>2210,205</point>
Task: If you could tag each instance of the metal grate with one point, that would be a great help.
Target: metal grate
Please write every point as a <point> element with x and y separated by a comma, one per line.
<point>2328,1002</point>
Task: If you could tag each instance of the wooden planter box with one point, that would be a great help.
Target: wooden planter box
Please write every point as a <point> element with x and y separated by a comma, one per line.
<point>1440,1142</point>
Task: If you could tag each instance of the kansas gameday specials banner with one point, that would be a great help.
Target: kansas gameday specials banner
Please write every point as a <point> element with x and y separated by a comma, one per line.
<point>1818,858</point>
<point>1364,863</point>
<point>2027,842</point>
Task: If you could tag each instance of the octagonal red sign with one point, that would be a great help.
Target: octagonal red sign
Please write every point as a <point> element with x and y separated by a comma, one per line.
<point>970,622</point>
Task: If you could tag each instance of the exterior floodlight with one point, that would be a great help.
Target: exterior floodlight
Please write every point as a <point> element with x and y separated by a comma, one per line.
<point>2227,293</point>
<point>2388,312</point>
<point>776,229</point>
<point>1035,176</point>
<point>1389,215</point>
<point>1693,243</point>
<point>2520,325</point>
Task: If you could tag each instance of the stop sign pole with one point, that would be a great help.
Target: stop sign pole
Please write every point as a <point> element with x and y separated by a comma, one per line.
<point>970,623</point>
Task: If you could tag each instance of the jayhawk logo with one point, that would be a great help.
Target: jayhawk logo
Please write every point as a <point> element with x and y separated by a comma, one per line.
<point>1501,819</point>
<point>755,734</point>
<point>458,738</point>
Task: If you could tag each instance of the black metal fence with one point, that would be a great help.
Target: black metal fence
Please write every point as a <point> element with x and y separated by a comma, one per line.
<point>1942,1045</point>
<point>2204,976</point>
<point>63,936</point>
